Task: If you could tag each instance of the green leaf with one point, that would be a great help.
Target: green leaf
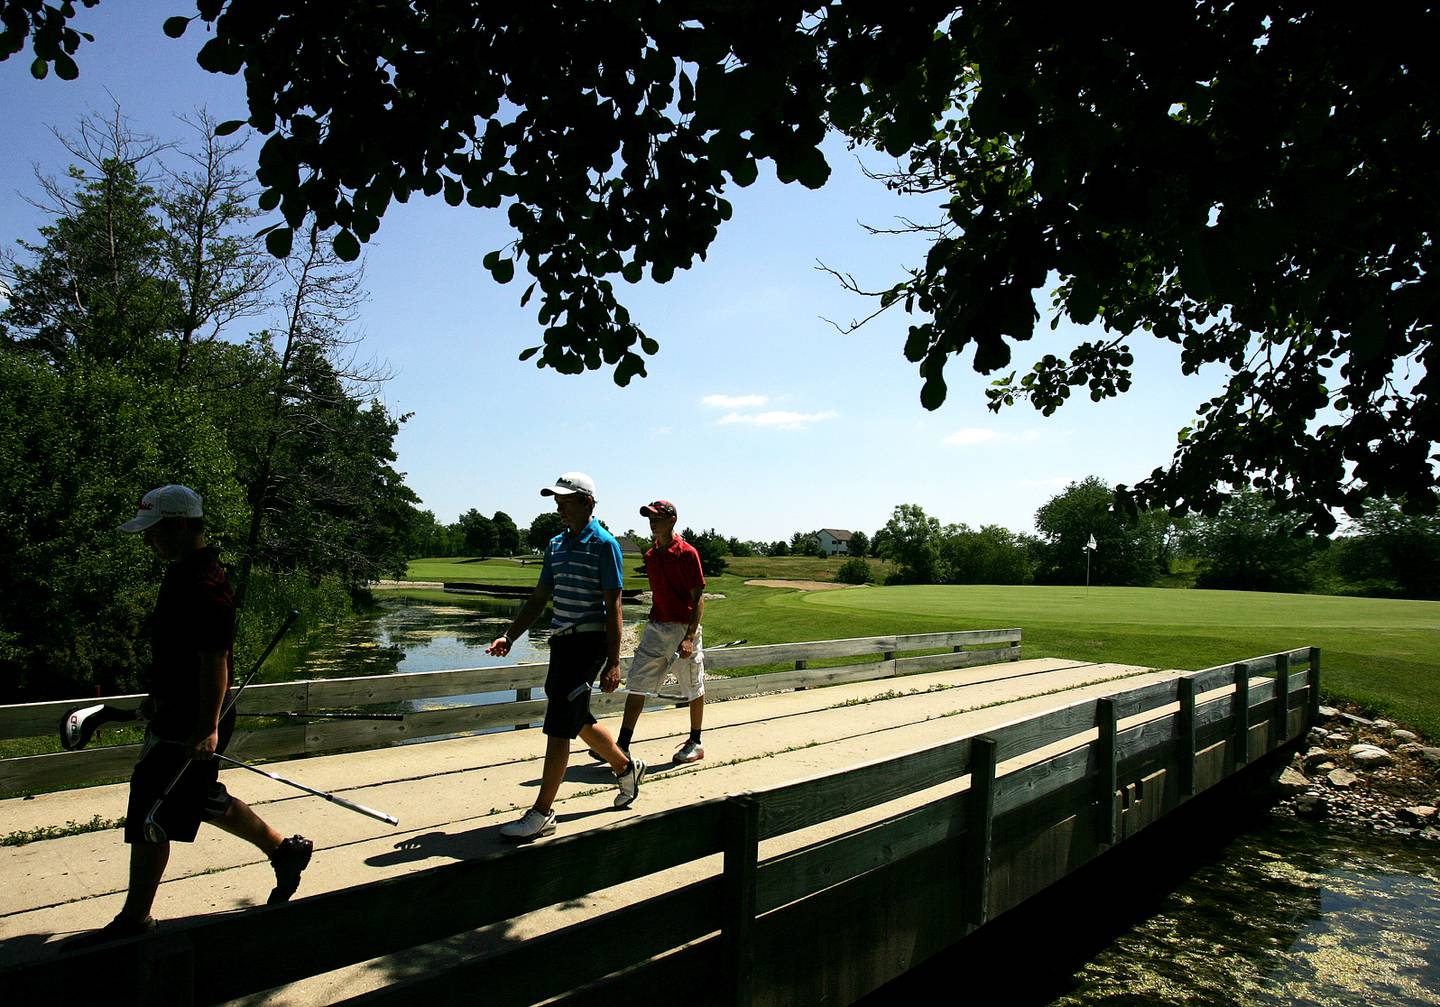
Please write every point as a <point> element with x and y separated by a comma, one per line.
<point>39,68</point>
<point>346,245</point>
<point>525,298</point>
<point>278,242</point>
<point>228,126</point>
<point>175,26</point>
<point>744,171</point>
<point>529,352</point>
<point>65,67</point>
<point>503,270</point>
<point>633,272</point>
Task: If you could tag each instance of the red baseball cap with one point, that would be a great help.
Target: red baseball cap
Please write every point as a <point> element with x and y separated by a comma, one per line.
<point>660,508</point>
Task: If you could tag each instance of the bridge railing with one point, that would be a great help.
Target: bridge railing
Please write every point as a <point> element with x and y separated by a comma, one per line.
<point>1015,808</point>
<point>880,657</point>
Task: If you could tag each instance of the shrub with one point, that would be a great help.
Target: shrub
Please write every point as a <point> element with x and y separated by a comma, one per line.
<point>854,571</point>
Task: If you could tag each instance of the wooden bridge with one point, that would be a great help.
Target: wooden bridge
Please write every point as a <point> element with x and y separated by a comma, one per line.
<point>934,782</point>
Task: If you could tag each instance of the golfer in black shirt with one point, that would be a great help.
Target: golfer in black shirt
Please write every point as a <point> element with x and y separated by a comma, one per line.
<point>192,637</point>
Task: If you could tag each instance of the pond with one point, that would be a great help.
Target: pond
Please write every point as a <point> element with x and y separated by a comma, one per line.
<point>1295,912</point>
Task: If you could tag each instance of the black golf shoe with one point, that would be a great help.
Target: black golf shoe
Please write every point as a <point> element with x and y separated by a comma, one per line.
<point>117,929</point>
<point>289,861</point>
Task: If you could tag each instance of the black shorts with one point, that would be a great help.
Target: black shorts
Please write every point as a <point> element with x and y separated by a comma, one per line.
<point>198,796</point>
<point>576,660</point>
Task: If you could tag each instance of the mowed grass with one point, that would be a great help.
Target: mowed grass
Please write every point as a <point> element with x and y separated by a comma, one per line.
<point>1379,654</point>
<point>475,571</point>
<point>818,568</point>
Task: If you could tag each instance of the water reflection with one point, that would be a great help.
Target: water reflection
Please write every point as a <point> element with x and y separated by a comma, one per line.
<point>1296,913</point>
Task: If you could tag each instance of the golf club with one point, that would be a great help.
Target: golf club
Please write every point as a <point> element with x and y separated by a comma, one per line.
<point>79,725</point>
<point>154,831</point>
<point>379,816</point>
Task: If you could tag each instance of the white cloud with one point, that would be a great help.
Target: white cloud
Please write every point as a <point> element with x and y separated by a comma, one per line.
<point>734,401</point>
<point>778,418</point>
<point>969,436</point>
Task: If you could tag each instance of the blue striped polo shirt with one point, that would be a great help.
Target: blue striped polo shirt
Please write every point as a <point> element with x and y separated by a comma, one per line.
<point>578,568</point>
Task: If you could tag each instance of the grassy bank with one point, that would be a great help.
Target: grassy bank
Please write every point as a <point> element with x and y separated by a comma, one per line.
<point>1376,653</point>
<point>475,571</point>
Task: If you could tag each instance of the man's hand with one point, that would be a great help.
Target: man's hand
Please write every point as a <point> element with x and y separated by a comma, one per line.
<point>687,648</point>
<point>610,680</point>
<point>499,647</point>
<point>203,748</point>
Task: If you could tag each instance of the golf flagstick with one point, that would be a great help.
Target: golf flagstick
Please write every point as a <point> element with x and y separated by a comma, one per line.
<point>379,816</point>
<point>154,833</point>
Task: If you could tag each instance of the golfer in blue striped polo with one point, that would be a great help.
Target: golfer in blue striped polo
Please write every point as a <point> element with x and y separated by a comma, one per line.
<point>582,575</point>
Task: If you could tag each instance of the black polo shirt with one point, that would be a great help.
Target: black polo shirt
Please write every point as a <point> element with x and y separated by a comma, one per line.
<point>194,613</point>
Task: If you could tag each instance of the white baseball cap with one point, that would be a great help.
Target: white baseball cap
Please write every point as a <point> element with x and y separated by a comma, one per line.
<point>571,482</point>
<point>167,501</point>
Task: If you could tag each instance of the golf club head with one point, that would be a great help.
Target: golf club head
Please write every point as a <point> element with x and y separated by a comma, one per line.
<point>78,726</point>
<point>154,831</point>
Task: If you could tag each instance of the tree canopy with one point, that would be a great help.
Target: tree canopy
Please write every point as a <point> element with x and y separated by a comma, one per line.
<point>1253,182</point>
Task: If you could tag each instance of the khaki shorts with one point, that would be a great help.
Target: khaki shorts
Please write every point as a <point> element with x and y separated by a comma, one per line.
<point>652,664</point>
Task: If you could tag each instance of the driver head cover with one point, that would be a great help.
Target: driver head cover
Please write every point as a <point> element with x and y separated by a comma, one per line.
<point>78,726</point>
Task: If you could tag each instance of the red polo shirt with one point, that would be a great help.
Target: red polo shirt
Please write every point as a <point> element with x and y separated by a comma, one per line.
<point>674,574</point>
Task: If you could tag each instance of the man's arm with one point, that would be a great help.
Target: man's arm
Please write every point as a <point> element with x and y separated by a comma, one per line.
<point>214,678</point>
<point>697,601</point>
<point>610,680</point>
<point>532,609</point>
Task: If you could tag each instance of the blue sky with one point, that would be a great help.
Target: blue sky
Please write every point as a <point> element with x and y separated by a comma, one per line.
<point>758,418</point>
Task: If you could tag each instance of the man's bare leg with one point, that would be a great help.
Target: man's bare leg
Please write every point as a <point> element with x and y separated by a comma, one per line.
<point>147,867</point>
<point>241,821</point>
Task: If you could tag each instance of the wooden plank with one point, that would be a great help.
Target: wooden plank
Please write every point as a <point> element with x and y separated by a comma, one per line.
<point>268,743</point>
<point>371,689</point>
<point>955,659</point>
<point>737,913</point>
<point>964,638</point>
<point>1149,737</point>
<point>1312,701</point>
<point>1224,674</point>
<point>1280,715</point>
<point>979,830</point>
<point>1146,698</point>
<point>799,805</point>
<point>518,973</point>
<point>786,653</point>
<point>1107,784</point>
<point>1027,786</point>
<point>1024,736</point>
<point>798,873</point>
<point>1186,728</point>
<point>1241,748</point>
<point>355,924</point>
<point>60,769</point>
<point>809,678</point>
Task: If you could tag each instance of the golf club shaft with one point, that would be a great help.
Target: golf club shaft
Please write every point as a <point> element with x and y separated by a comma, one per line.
<point>274,641</point>
<point>379,816</point>
<point>329,716</point>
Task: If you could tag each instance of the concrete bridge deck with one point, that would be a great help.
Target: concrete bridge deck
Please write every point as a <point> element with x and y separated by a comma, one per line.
<point>452,796</point>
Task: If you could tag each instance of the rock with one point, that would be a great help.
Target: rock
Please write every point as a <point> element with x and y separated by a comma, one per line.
<point>1342,778</point>
<point>1290,782</point>
<point>1418,814</point>
<point>1383,725</point>
<point>1311,806</point>
<point>1372,758</point>
<point>1323,769</point>
<point>1411,748</point>
<point>1314,757</point>
<point>1336,738</point>
<point>1328,713</point>
<point>1430,754</point>
<point>1404,735</point>
<point>1430,832</point>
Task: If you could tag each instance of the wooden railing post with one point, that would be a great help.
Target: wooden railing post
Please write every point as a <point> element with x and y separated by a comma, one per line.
<point>737,925</point>
<point>521,696</point>
<point>979,829</point>
<point>1187,737</point>
<point>1240,738</point>
<point>1312,705</point>
<point>1280,715</point>
<point>1107,721</point>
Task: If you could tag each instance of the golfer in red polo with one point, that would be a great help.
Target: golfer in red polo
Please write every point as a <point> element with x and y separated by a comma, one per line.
<point>671,642</point>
